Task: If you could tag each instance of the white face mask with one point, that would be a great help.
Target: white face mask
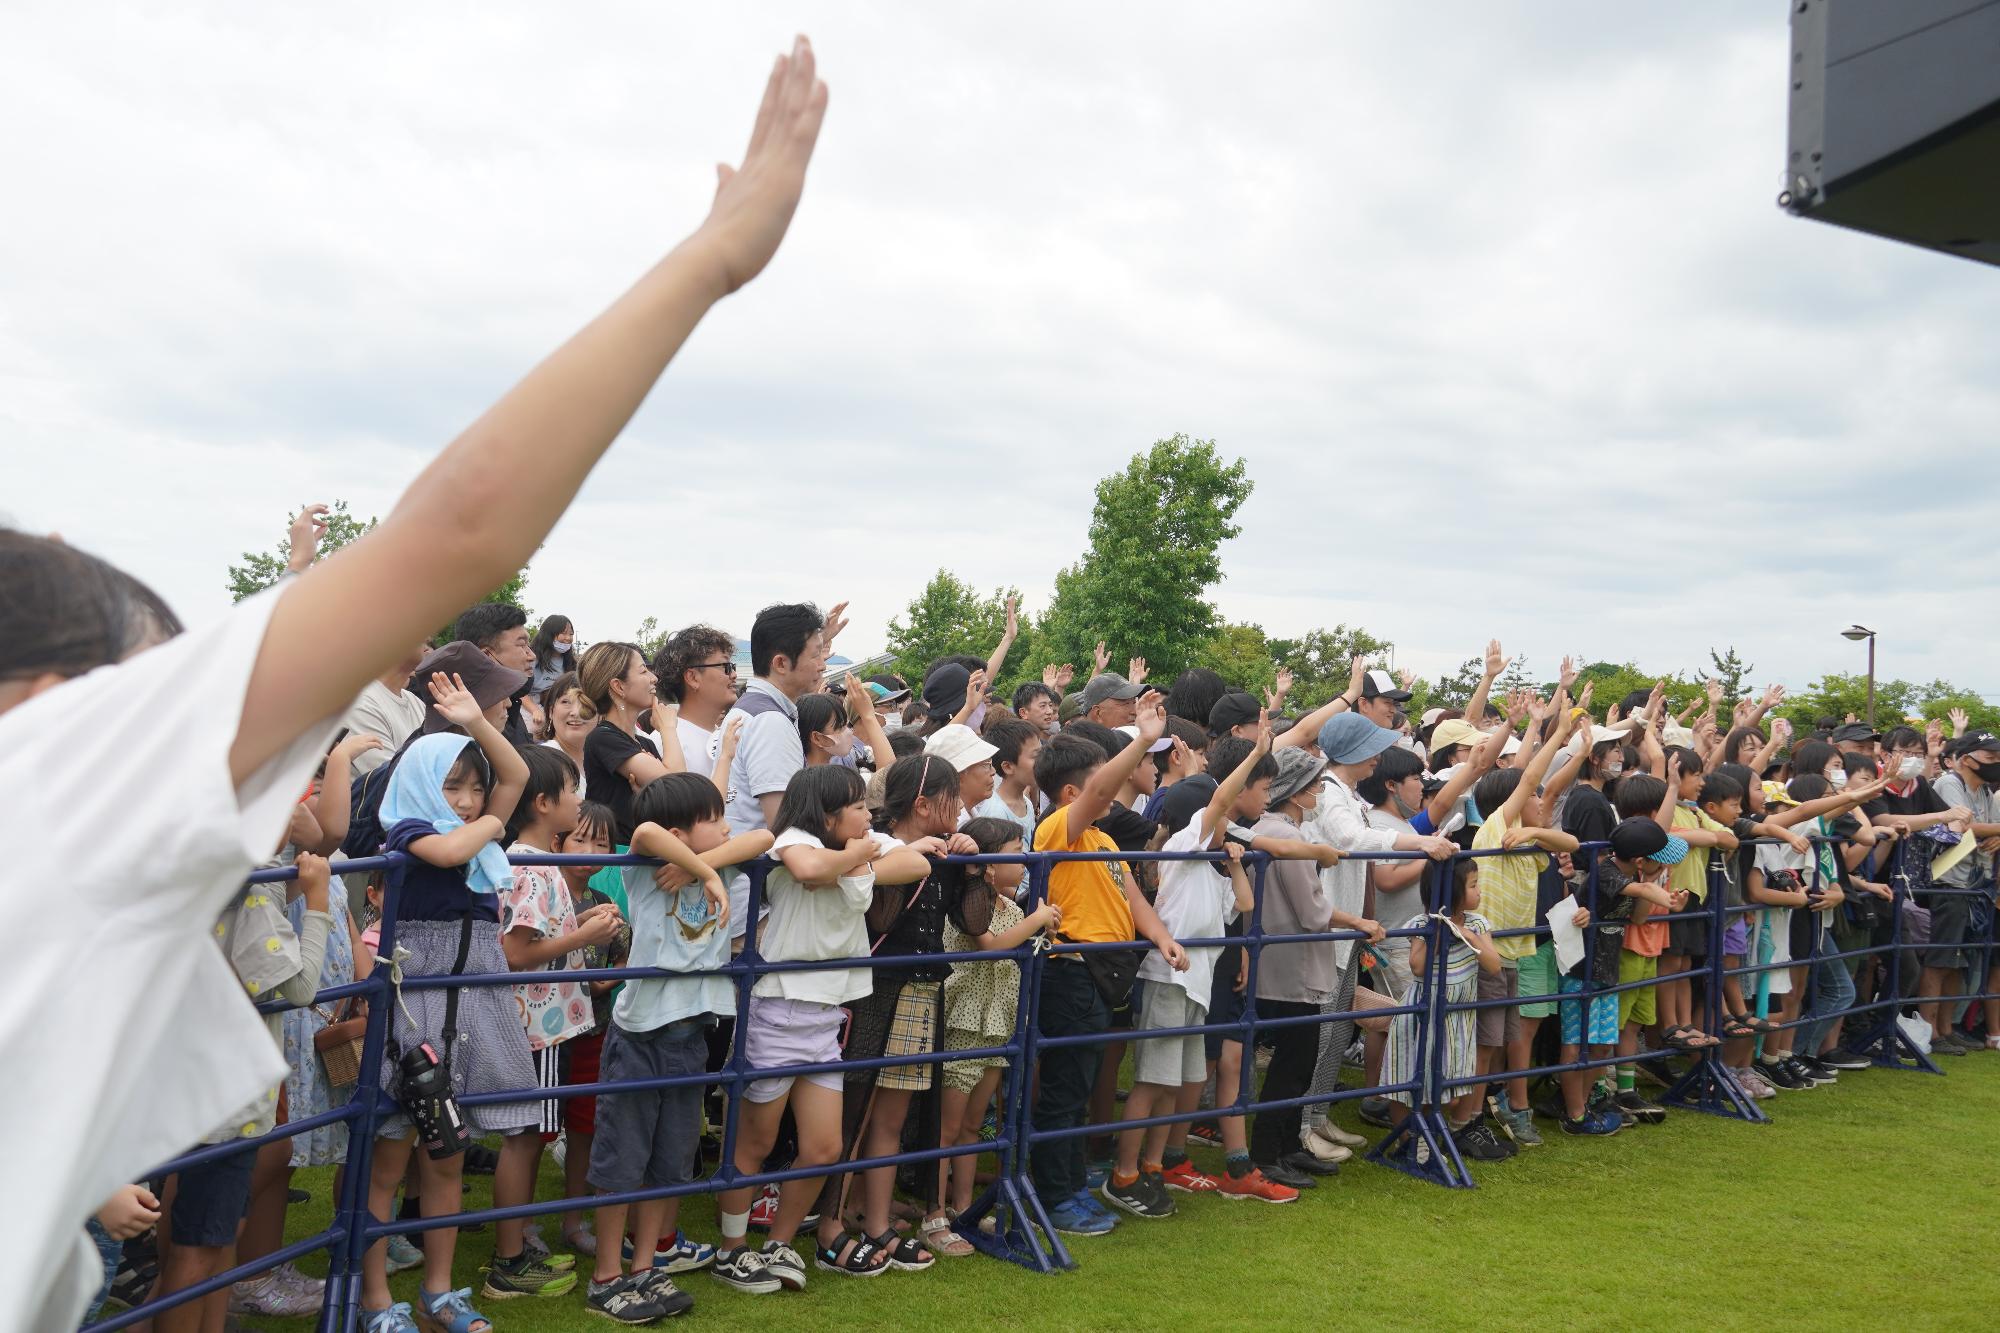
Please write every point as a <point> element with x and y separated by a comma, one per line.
<point>1911,767</point>
<point>563,645</point>
<point>1615,770</point>
<point>1837,779</point>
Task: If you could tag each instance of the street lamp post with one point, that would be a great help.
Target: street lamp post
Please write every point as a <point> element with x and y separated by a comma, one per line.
<point>1857,633</point>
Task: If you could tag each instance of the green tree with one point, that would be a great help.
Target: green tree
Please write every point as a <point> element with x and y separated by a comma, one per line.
<point>1939,698</point>
<point>1731,670</point>
<point>1155,536</point>
<point>1455,690</point>
<point>650,637</point>
<point>947,617</point>
<point>1322,662</point>
<point>1241,655</point>
<point>509,592</point>
<point>1837,694</point>
<point>261,569</point>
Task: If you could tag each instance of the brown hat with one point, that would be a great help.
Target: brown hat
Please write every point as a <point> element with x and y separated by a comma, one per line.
<point>489,682</point>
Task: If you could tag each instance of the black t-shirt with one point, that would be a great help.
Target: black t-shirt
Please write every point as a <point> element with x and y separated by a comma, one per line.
<point>1922,799</point>
<point>605,750</point>
<point>1587,815</point>
<point>1132,831</point>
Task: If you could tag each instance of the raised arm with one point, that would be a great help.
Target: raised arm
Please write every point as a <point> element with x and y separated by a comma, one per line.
<point>1216,817</point>
<point>1496,662</point>
<point>456,705</point>
<point>861,712</point>
<point>1094,801</point>
<point>486,503</point>
<point>1538,767</point>
<point>1007,637</point>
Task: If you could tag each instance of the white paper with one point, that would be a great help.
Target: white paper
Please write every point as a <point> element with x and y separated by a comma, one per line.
<point>1567,936</point>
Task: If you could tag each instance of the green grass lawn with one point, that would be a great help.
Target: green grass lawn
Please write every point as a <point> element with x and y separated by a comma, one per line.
<point>1875,1203</point>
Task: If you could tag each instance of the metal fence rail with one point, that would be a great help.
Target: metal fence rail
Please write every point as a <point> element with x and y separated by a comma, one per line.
<point>1422,1145</point>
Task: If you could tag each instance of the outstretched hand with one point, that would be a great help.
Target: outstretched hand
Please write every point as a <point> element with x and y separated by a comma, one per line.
<point>754,202</point>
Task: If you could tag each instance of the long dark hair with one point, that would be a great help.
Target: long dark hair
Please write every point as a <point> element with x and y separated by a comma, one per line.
<point>546,656</point>
<point>816,796</point>
<point>920,775</point>
<point>66,612</point>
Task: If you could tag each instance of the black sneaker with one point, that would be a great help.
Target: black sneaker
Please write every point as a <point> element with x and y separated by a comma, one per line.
<point>1811,1071</point>
<point>1778,1073</point>
<point>1280,1174</point>
<point>1478,1141</point>
<point>1154,1183</point>
<point>1375,1111</point>
<point>1310,1165</point>
<point>743,1268</point>
<point>1842,1058</point>
<point>659,1287</point>
<point>623,1300</point>
<point>782,1262</point>
<point>1645,1112</point>
<point>1134,1198</point>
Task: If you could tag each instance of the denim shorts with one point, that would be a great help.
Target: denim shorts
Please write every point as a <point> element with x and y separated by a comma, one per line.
<point>210,1200</point>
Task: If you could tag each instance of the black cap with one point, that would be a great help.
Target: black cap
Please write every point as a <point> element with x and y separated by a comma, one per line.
<point>1854,732</point>
<point>1232,710</point>
<point>944,690</point>
<point>1184,800</point>
<point>1637,838</point>
<point>1382,685</point>
<point>1975,740</point>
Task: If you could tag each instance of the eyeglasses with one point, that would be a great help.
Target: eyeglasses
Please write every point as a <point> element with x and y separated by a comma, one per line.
<point>726,668</point>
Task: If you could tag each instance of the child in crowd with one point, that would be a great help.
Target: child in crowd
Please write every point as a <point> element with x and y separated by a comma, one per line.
<point>1687,938</point>
<point>1196,901</point>
<point>1643,796</point>
<point>819,895</point>
<point>1469,954</point>
<point>981,998</point>
<point>582,1056</point>
<point>1100,901</point>
<point>648,1138</point>
<point>541,931</point>
<point>447,805</point>
<point>1016,746</point>
<point>207,1201</point>
<point>1508,801</point>
<point>1186,757</point>
<point>902,1013</point>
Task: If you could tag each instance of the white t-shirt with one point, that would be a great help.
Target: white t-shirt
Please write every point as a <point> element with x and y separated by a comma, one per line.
<point>145,841</point>
<point>699,746</point>
<point>1194,903</point>
<point>817,923</point>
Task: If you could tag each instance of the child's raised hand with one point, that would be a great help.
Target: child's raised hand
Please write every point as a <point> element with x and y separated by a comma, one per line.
<point>1135,671</point>
<point>129,1212</point>
<point>1152,716</point>
<point>1263,745</point>
<point>754,203</point>
<point>1100,658</point>
<point>975,688</point>
<point>454,703</point>
<point>314,877</point>
<point>731,729</point>
<point>858,699</point>
<point>358,743</point>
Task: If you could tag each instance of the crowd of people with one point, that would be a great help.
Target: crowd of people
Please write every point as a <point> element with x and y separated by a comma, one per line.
<point>507,742</point>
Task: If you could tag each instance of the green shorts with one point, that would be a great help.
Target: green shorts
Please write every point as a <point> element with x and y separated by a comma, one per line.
<point>1636,1005</point>
<point>1539,977</point>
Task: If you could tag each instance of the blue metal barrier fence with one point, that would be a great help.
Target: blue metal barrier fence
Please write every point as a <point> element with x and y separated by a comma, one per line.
<point>1422,1145</point>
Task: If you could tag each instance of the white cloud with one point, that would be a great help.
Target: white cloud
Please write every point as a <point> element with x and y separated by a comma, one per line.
<point>1496,304</point>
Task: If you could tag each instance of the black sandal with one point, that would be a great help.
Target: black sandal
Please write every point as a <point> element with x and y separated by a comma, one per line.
<point>905,1252</point>
<point>860,1260</point>
<point>1736,1029</point>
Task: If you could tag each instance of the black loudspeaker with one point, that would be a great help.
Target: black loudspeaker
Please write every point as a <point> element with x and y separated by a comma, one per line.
<point>1895,120</point>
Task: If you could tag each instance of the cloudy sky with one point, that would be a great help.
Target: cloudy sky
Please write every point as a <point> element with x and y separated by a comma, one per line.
<point>1496,305</point>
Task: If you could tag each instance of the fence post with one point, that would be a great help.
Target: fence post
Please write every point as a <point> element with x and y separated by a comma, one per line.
<point>1422,1146</point>
<point>341,1308</point>
<point>1709,1086</point>
<point>1020,1219</point>
<point>1253,938</point>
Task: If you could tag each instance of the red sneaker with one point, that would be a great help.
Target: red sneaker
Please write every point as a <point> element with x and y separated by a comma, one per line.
<point>1254,1186</point>
<point>1189,1180</point>
<point>765,1210</point>
<point>1206,1131</point>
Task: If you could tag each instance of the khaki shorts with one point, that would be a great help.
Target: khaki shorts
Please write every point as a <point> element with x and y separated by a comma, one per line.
<point>1501,1023</point>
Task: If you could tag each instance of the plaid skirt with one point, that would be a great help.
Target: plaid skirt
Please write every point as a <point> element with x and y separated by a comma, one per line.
<point>913,1031</point>
<point>490,1052</point>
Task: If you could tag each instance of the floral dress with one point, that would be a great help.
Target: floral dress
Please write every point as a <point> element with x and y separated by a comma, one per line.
<point>306,1090</point>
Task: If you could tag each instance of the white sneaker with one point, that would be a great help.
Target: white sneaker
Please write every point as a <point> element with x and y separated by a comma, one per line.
<point>267,1294</point>
<point>1333,1136</point>
<point>559,1150</point>
<point>1323,1149</point>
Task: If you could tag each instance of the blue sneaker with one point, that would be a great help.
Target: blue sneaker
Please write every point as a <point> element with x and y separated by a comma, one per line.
<point>683,1255</point>
<point>1594,1122</point>
<point>1075,1217</point>
<point>1094,1177</point>
<point>1096,1205</point>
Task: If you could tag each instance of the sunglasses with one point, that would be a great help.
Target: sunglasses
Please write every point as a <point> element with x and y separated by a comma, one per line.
<point>726,668</point>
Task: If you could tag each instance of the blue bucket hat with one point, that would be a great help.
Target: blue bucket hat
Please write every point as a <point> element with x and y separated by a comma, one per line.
<point>1349,738</point>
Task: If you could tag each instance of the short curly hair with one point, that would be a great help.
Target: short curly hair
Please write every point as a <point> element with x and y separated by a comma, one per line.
<point>685,648</point>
